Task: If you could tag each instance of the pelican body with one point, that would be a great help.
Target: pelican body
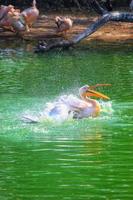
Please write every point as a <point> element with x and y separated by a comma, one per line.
<point>84,106</point>
<point>4,10</point>
<point>88,107</point>
<point>63,24</point>
<point>11,19</point>
<point>71,106</point>
<point>16,21</point>
<point>30,15</point>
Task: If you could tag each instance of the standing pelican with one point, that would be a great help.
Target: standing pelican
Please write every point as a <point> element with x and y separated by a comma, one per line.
<point>30,15</point>
<point>16,21</point>
<point>64,24</point>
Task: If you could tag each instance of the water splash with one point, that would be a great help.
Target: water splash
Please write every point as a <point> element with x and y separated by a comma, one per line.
<point>106,107</point>
<point>63,110</point>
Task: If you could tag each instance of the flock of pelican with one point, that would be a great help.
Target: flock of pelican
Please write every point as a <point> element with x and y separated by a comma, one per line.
<point>16,21</point>
<point>70,105</point>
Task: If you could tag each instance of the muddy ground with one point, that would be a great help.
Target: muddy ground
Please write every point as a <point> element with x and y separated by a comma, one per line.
<point>45,28</point>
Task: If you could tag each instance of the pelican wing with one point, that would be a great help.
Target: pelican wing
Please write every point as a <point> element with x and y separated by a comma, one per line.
<point>73,103</point>
<point>66,107</point>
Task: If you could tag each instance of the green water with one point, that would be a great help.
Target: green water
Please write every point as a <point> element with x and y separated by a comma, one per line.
<point>73,160</point>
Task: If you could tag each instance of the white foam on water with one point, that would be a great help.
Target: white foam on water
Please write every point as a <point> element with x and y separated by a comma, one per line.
<point>106,107</point>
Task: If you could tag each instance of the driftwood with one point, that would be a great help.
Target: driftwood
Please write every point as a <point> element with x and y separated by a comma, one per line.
<point>106,16</point>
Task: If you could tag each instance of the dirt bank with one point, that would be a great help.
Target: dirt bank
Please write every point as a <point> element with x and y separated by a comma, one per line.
<point>45,28</point>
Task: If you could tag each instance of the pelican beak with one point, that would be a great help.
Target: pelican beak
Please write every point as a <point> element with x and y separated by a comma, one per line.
<point>93,93</point>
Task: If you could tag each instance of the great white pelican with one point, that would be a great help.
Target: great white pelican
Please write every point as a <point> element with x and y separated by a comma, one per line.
<point>71,106</point>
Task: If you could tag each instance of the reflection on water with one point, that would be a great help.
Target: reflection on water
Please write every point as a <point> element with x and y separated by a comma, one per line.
<point>76,159</point>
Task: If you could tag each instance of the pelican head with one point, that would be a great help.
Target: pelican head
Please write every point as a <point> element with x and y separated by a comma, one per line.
<point>57,19</point>
<point>86,92</point>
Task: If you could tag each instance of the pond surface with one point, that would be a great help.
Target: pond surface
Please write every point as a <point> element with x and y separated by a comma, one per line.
<point>76,160</point>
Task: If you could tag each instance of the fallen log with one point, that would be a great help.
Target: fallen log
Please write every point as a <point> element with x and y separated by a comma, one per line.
<point>106,16</point>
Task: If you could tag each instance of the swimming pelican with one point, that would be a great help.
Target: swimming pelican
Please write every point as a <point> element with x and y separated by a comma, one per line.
<point>84,106</point>
<point>70,106</point>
